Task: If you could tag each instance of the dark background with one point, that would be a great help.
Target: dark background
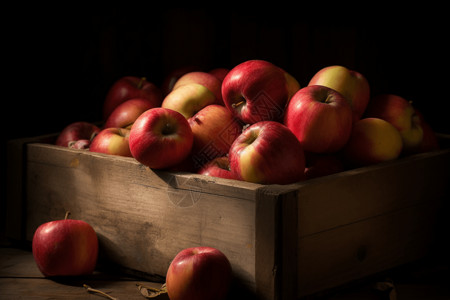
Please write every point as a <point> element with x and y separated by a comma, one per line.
<point>60,61</point>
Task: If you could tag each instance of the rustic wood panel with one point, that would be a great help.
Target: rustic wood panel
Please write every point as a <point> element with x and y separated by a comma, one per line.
<point>328,259</point>
<point>128,204</point>
<point>355,195</point>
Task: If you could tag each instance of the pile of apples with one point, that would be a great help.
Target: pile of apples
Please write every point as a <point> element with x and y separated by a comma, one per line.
<point>255,123</point>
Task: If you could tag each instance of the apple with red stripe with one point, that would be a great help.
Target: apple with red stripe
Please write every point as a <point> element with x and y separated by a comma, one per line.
<point>267,152</point>
<point>65,248</point>
<point>161,138</point>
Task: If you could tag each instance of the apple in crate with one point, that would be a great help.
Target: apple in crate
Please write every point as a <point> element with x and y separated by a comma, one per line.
<point>114,141</point>
<point>215,129</point>
<point>161,138</point>
<point>130,87</point>
<point>209,81</point>
<point>124,115</point>
<point>267,152</point>
<point>189,99</point>
<point>218,167</point>
<point>372,141</point>
<point>400,113</point>
<point>65,248</point>
<point>171,78</point>
<point>76,131</point>
<point>199,273</point>
<point>220,73</point>
<point>351,84</point>
<point>256,90</point>
<point>320,118</point>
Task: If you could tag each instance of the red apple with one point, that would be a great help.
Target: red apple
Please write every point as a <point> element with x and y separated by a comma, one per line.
<point>430,141</point>
<point>267,152</point>
<point>173,76</point>
<point>161,138</point>
<point>114,141</point>
<point>218,167</point>
<point>351,84</point>
<point>76,131</point>
<point>215,129</point>
<point>220,73</point>
<point>199,273</point>
<point>130,87</point>
<point>372,141</point>
<point>189,99</point>
<point>320,118</point>
<point>256,90</point>
<point>124,115</point>
<point>400,113</point>
<point>206,79</point>
<point>318,165</point>
<point>65,248</point>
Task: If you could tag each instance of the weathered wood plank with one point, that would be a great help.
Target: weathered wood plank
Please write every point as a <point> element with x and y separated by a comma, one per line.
<point>127,204</point>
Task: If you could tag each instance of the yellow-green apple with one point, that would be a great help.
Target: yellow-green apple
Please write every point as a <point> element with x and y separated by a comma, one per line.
<point>114,141</point>
<point>215,129</point>
<point>318,164</point>
<point>256,90</point>
<point>161,138</point>
<point>351,84</point>
<point>372,141</point>
<point>267,152</point>
<point>65,248</point>
<point>124,115</point>
<point>199,273</point>
<point>220,73</point>
<point>206,79</point>
<point>320,118</point>
<point>76,131</point>
<point>400,113</point>
<point>218,167</point>
<point>130,87</point>
<point>173,76</point>
<point>189,99</point>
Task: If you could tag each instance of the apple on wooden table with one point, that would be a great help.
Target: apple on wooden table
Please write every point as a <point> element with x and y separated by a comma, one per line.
<point>320,118</point>
<point>267,152</point>
<point>199,273</point>
<point>65,248</point>
<point>161,138</point>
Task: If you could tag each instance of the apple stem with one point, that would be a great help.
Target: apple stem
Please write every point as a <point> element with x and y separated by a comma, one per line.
<point>141,82</point>
<point>67,215</point>
<point>95,291</point>
<point>234,105</point>
<point>328,98</point>
<point>151,292</point>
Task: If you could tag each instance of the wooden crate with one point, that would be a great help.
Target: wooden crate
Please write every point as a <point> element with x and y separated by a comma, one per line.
<point>283,241</point>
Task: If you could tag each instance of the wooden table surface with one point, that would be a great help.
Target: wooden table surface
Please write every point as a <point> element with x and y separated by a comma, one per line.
<point>21,279</point>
